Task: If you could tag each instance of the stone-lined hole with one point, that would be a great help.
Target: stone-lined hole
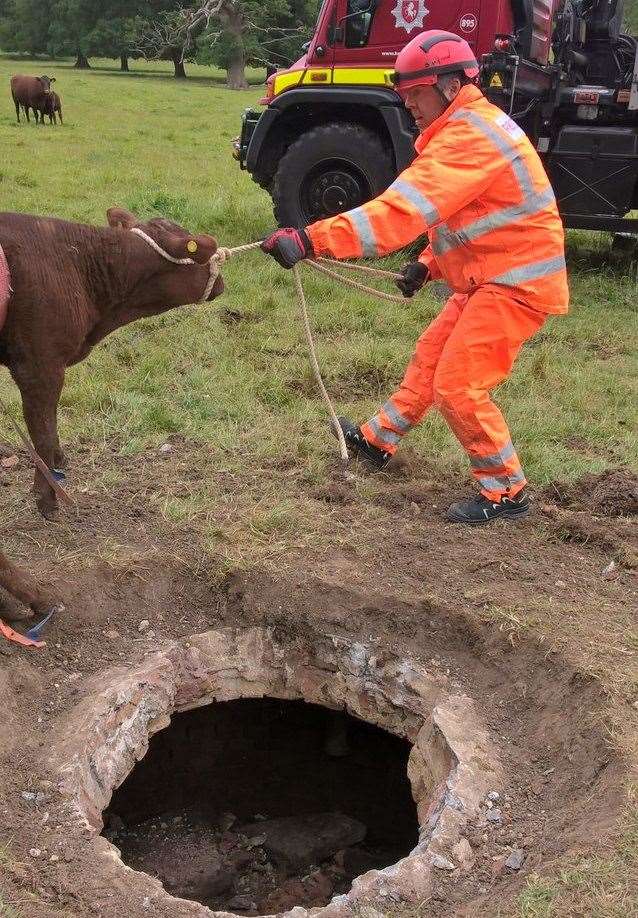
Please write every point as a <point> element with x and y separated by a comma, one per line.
<point>451,765</point>
<point>198,811</point>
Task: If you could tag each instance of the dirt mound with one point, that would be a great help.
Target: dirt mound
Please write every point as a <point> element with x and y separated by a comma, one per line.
<point>613,492</point>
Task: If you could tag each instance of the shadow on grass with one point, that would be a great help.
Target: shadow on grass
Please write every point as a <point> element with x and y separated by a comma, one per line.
<point>167,77</point>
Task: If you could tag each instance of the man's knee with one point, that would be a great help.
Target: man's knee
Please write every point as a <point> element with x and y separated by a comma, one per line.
<point>449,391</point>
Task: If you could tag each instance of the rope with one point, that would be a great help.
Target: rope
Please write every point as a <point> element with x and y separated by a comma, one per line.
<point>215,262</point>
<point>351,283</point>
<point>365,269</point>
<point>228,253</point>
<point>343,449</point>
<point>222,255</point>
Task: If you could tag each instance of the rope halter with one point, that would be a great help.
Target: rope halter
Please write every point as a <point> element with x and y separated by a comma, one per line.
<point>215,262</point>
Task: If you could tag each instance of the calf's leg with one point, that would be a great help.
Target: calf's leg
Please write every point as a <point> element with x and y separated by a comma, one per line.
<point>17,105</point>
<point>24,588</point>
<point>40,395</point>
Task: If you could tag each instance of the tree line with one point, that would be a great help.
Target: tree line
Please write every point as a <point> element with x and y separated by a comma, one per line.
<point>230,34</point>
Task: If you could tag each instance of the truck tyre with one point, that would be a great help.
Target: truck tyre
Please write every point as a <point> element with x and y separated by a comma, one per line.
<point>329,169</point>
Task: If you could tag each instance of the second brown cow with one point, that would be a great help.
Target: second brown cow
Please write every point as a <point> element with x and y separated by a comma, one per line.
<point>72,285</point>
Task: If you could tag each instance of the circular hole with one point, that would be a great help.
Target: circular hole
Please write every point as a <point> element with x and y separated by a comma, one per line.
<point>182,759</point>
<point>257,805</point>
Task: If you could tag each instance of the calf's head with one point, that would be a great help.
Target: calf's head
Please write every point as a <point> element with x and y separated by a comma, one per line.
<point>45,82</point>
<point>167,284</point>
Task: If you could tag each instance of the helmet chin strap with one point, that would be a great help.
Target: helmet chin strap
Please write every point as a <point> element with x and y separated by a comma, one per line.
<point>444,98</point>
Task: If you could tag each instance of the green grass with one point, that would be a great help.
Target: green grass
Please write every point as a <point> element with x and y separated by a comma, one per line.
<point>596,887</point>
<point>157,145</point>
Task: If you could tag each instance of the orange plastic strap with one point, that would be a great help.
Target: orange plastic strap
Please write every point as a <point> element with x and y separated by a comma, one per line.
<point>18,638</point>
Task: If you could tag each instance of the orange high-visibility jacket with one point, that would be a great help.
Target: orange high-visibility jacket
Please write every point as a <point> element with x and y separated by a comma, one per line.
<point>479,190</point>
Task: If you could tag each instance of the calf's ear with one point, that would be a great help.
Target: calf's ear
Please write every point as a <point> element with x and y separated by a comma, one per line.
<point>201,248</point>
<point>119,217</point>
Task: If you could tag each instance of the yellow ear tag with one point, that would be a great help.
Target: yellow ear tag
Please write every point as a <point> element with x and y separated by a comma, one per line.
<point>191,245</point>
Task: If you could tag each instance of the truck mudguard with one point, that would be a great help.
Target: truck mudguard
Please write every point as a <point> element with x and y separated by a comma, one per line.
<point>385,101</point>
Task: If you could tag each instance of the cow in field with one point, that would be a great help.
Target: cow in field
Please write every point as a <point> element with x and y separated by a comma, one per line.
<point>73,284</point>
<point>52,104</point>
<point>30,92</point>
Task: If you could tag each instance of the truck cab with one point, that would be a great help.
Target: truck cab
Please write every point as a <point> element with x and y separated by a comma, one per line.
<point>334,133</point>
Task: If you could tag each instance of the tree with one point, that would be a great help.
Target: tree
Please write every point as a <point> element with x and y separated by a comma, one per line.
<point>24,26</point>
<point>233,33</point>
<point>240,32</point>
<point>71,24</point>
<point>88,27</point>
<point>114,33</point>
<point>163,37</point>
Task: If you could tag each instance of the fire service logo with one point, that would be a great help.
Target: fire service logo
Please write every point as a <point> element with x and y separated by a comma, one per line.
<point>410,14</point>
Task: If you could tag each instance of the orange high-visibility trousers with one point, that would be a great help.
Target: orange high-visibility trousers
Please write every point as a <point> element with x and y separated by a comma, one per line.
<point>467,351</point>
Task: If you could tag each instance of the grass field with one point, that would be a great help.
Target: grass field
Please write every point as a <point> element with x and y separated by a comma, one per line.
<point>156,145</point>
<point>244,390</point>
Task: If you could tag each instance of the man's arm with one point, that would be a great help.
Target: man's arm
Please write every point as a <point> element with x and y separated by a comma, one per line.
<point>456,167</point>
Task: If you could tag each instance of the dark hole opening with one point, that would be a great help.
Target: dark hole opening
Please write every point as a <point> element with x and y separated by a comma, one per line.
<point>256,805</point>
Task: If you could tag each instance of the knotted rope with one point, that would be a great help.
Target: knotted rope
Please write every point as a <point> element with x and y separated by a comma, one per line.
<point>222,255</point>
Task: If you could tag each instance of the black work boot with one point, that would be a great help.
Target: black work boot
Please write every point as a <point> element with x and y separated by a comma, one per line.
<point>482,509</point>
<point>360,446</point>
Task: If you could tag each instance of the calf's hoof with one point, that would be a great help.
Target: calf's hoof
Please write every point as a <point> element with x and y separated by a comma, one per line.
<point>49,509</point>
<point>60,459</point>
<point>47,604</point>
<point>13,611</point>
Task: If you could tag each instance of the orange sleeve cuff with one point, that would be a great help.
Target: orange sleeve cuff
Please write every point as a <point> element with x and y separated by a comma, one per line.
<point>335,237</point>
<point>427,258</point>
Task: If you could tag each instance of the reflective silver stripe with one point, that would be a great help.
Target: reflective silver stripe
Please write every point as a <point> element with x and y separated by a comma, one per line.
<point>387,437</point>
<point>503,143</point>
<point>425,207</point>
<point>501,481</point>
<point>495,460</point>
<point>364,230</point>
<point>531,271</point>
<point>396,417</point>
<point>446,239</point>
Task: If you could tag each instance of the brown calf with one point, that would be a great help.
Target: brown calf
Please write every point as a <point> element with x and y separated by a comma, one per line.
<point>72,285</point>
<point>52,104</point>
<point>30,92</point>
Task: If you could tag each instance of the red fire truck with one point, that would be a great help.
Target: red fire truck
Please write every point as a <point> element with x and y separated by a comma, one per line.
<point>334,133</point>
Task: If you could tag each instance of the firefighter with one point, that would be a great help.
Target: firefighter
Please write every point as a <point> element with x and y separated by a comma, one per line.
<point>478,189</point>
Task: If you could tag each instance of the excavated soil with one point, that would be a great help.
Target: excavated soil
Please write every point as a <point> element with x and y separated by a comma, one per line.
<point>476,605</point>
<point>612,493</point>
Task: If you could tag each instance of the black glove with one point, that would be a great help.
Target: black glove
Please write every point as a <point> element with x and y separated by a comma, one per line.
<point>288,246</point>
<point>413,277</point>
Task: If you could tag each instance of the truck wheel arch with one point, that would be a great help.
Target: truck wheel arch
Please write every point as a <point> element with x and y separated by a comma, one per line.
<point>298,111</point>
<point>331,168</point>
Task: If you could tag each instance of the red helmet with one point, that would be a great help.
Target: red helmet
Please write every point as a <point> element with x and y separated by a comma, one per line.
<point>428,55</point>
